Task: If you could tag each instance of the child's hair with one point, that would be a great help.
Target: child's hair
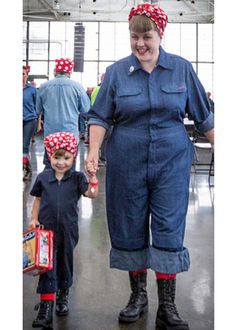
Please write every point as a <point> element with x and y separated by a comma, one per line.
<point>59,153</point>
<point>141,24</point>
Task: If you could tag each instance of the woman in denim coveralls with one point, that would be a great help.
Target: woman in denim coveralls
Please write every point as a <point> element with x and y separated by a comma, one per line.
<point>146,96</point>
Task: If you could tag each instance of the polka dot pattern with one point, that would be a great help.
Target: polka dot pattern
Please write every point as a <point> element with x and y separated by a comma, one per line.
<point>61,140</point>
<point>156,14</point>
<point>64,65</point>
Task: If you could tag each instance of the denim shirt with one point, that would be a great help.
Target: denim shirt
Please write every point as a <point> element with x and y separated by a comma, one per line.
<point>60,101</point>
<point>29,103</point>
<point>132,97</point>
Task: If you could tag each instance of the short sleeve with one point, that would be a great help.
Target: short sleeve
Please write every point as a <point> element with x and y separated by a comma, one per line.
<point>82,183</point>
<point>37,187</point>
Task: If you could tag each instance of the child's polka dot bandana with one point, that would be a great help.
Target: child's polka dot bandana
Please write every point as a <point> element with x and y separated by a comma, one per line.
<point>61,140</point>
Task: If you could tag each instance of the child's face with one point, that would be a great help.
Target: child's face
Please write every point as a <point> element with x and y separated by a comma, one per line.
<point>62,164</point>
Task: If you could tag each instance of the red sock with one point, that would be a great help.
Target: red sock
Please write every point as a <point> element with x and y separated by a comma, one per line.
<point>47,296</point>
<point>136,272</point>
<point>165,276</point>
<point>25,160</point>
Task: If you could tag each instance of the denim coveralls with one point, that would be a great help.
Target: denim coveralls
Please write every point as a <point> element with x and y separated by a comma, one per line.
<point>149,157</point>
<point>59,212</point>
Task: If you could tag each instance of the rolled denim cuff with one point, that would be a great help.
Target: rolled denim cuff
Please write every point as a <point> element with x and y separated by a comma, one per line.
<point>99,122</point>
<point>169,262</point>
<point>207,124</point>
<point>129,260</point>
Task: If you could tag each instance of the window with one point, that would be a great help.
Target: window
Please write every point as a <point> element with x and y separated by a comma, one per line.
<point>106,42</point>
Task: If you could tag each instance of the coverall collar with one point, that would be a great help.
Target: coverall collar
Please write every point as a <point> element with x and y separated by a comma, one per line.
<point>53,178</point>
<point>163,61</point>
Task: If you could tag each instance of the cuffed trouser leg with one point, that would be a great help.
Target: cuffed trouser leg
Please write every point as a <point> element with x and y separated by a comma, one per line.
<point>129,260</point>
<point>158,260</point>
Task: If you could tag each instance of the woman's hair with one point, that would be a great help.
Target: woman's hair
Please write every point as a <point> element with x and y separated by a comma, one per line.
<point>141,24</point>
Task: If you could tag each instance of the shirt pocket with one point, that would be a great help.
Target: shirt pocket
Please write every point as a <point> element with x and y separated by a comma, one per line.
<point>129,91</point>
<point>129,99</point>
<point>174,96</point>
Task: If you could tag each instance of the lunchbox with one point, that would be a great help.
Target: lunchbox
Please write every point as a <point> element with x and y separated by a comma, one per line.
<point>37,251</point>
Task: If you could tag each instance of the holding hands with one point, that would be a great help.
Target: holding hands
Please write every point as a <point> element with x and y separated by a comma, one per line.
<point>91,163</point>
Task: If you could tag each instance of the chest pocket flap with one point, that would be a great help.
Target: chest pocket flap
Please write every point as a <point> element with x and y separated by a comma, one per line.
<point>129,91</point>
<point>174,88</point>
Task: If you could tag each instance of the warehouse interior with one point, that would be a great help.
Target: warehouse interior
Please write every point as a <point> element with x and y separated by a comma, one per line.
<point>98,292</point>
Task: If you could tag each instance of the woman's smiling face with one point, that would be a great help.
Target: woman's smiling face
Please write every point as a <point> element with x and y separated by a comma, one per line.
<point>145,46</point>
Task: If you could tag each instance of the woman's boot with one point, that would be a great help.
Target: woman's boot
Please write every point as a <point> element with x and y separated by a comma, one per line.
<point>62,302</point>
<point>167,317</point>
<point>138,302</point>
<point>45,315</point>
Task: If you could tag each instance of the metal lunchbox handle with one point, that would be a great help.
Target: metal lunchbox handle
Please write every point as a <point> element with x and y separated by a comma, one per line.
<point>40,226</point>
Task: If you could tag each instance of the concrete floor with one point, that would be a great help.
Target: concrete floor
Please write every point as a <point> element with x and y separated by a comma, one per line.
<point>99,293</point>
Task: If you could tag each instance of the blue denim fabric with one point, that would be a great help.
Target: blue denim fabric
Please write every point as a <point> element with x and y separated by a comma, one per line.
<point>149,157</point>
<point>59,213</point>
<point>29,128</point>
<point>60,100</point>
<point>82,125</point>
<point>29,103</point>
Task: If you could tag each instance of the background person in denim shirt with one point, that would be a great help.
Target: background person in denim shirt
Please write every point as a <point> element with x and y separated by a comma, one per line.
<point>60,101</point>
<point>146,96</point>
<point>29,120</point>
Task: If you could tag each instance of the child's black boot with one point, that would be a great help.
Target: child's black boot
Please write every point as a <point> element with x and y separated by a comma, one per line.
<point>45,315</point>
<point>62,302</point>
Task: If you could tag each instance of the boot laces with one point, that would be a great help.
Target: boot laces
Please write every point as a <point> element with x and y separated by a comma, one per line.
<point>171,307</point>
<point>62,296</point>
<point>44,309</point>
<point>132,299</point>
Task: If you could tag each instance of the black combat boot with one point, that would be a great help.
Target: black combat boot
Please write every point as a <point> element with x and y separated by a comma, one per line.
<point>62,302</point>
<point>45,315</point>
<point>167,317</point>
<point>138,302</point>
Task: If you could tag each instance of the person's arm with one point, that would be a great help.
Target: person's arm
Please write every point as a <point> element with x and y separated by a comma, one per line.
<point>35,213</point>
<point>92,191</point>
<point>96,136</point>
<point>39,123</point>
<point>210,136</point>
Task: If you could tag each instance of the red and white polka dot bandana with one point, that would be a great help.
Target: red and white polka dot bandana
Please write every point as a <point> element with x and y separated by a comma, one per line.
<point>64,65</point>
<point>61,140</point>
<point>156,14</point>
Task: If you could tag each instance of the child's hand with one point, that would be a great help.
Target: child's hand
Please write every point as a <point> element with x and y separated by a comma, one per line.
<point>33,224</point>
<point>92,191</point>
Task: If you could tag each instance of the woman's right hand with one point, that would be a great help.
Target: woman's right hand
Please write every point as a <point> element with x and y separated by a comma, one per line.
<point>91,163</point>
<point>96,136</point>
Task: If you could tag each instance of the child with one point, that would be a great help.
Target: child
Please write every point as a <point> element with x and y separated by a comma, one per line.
<point>57,191</point>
